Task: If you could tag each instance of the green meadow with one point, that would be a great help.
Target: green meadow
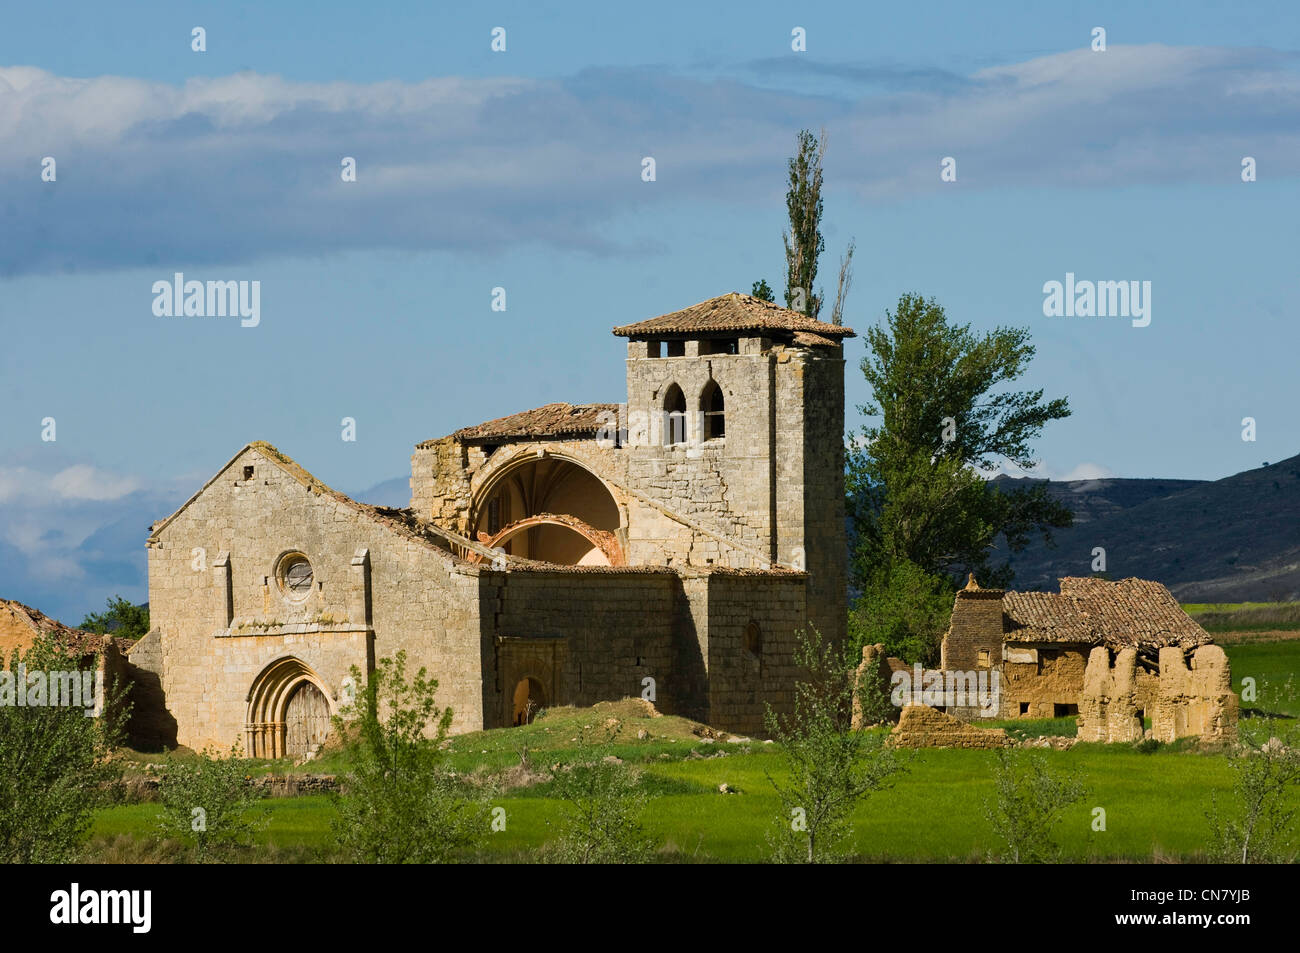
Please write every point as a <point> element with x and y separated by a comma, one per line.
<point>1154,802</point>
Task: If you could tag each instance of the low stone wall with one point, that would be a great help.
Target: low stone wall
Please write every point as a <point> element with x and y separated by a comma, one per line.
<point>920,726</point>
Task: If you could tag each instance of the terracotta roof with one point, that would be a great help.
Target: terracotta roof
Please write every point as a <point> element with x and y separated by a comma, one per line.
<point>735,312</point>
<point>1130,613</point>
<point>551,420</point>
<point>79,640</point>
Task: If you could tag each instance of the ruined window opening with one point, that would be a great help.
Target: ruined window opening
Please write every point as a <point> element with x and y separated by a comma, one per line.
<point>676,348</point>
<point>754,639</point>
<point>248,473</point>
<point>984,658</point>
<point>1064,711</point>
<point>712,404</point>
<point>1024,708</point>
<point>674,416</point>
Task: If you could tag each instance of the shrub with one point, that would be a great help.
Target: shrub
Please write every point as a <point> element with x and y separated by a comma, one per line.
<point>400,803</point>
<point>206,803</point>
<point>603,802</point>
<point>54,765</point>
<point>1255,821</point>
<point>1030,801</point>
<point>831,767</point>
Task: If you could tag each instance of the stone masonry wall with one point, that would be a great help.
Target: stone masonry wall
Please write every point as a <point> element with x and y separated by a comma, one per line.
<point>976,626</point>
<point>725,483</point>
<point>618,628</point>
<point>742,683</point>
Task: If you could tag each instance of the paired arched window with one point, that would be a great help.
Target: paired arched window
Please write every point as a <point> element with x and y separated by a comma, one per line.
<point>674,416</point>
<point>713,410</point>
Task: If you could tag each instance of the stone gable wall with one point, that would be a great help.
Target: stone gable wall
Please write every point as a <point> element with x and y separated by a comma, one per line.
<point>222,624</point>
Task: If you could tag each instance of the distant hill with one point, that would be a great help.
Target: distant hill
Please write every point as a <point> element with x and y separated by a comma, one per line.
<point>1230,540</point>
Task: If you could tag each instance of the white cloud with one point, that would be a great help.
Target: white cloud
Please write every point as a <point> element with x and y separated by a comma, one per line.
<point>77,482</point>
<point>84,482</point>
<point>1046,471</point>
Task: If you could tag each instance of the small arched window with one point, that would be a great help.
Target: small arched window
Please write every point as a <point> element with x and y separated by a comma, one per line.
<point>674,416</point>
<point>713,410</point>
<point>754,640</point>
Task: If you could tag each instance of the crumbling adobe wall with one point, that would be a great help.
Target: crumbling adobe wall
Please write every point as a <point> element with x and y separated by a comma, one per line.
<point>1108,707</point>
<point>1037,678</point>
<point>884,674</point>
<point>1182,702</point>
<point>920,726</point>
<point>1195,701</point>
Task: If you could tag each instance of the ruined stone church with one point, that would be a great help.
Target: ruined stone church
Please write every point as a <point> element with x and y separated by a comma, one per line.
<point>668,547</point>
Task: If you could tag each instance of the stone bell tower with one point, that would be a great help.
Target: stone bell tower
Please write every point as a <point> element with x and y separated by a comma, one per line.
<point>735,419</point>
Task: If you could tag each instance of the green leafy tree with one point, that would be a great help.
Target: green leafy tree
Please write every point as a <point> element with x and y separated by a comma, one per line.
<point>54,763</point>
<point>401,802</point>
<point>803,241</point>
<point>905,609</point>
<point>762,290</point>
<point>916,493</point>
<point>1028,806</point>
<point>207,803</point>
<point>603,802</point>
<point>1255,822</point>
<point>121,619</point>
<point>831,768</point>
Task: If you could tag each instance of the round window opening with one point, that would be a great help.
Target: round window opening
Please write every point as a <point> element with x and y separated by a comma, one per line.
<point>295,576</point>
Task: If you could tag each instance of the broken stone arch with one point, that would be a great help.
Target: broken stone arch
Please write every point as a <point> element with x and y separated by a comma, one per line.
<point>549,506</point>
<point>289,710</point>
<point>603,543</point>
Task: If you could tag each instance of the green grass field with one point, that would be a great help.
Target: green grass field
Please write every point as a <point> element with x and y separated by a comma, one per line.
<point>1237,617</point>
<point>1154,803</point>
<point>1154,806</point>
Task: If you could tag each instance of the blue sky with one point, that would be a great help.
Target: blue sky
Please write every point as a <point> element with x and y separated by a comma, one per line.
<point>521,169</point>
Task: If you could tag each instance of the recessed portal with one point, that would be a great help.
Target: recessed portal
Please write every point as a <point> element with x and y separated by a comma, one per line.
<point>530,698</point>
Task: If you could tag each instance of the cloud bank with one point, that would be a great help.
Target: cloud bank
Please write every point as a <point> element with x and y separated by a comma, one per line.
<point>232,168</point>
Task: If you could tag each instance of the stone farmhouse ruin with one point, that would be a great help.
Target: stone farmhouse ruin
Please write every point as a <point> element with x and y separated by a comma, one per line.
<point>669,546</point>
<point>1112,653</point>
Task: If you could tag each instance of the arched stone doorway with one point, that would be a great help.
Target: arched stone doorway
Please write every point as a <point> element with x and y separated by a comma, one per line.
<point>289,711</point>
<point>529,699</point>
